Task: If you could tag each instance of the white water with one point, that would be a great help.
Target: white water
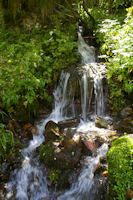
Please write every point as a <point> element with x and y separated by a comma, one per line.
<point>29,182</point>
<point>99,98</point>
<point>95,71</point>
<point>87,52</point>
<point>84,96</point>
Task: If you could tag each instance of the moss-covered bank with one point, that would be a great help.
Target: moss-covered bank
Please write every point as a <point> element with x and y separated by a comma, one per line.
<point>120,167</point>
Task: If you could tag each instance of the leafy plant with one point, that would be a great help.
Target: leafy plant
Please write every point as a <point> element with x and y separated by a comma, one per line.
<point>117,49</point>
<point>30,64</point>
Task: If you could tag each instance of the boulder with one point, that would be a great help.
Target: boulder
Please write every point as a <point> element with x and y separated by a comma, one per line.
<point>30,130</point>
<point>52,131</point>
<point>67,157</point>
<point>68,123</point>
<point>34,130</point>
<point>60,151</point>
<point>101,123</point>
<point>89,146</point>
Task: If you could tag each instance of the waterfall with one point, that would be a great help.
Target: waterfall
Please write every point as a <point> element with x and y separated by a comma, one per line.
<point>88,59</point>
<point>29,181</point>
<point>87,52</point>
<point>84,96</point>
<point>99,99</point>
<point>60,98</point>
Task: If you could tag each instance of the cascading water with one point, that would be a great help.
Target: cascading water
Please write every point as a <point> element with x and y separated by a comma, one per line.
<point>88,59</point>
<point>81,189</point>
<point>87,52</point>
<point>60,96</point>
<point>84,96</point>
<point>99,99</point>
<point>29,182</point>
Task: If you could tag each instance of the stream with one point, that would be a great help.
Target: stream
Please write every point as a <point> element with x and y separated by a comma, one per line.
<point>29,181</point>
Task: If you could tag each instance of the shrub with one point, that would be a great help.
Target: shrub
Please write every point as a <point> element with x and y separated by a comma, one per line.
<point>30,64</point>
<point>117,47</point>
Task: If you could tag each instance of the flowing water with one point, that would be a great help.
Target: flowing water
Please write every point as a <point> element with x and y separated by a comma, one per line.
<point>84,96</point>
<point>81,189</point>
<point>29,181</point>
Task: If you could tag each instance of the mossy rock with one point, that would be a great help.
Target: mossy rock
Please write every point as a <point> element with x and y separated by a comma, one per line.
<point>120,167</point>
<point>46,154</point>
<point>52,131</point>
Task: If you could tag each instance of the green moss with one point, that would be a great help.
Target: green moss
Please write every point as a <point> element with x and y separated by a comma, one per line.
<point>120,161</point>
<point>54,175</point>
<point>46,153</point>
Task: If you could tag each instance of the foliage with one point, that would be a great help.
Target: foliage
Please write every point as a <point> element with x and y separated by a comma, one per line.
<point>7,143</point>
<point>120,162</point>
<point>118,50</point>
<point>30,64</point>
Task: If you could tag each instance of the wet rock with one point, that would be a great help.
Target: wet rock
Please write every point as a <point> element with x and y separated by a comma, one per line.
<point>101,123</point>
<point>30,130</point>
<point>66,160</point>
<point>34,130</point>
<point>105,137</point>
<point>67,154</point>
<point>100,139</point>
<point>61,152</point>
<point>27,126</point>
<point>100,168</point>
<point>28,134</point>
<point>129,194</point>
<point>68,123</point>
<point>89,145</point>
<point>99,188</point>
<point>52,131</point>
<point>111,134</point>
